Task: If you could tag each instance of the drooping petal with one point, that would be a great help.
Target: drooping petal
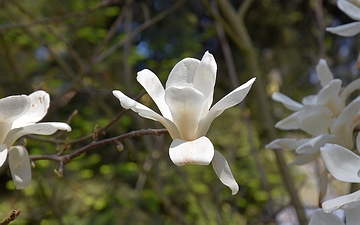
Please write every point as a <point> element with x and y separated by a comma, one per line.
<point>38,128</point>
<point>154,88</point>
<point>347,30</point>
<point>350,9</point>
<point>3,153</point>
<point>222,170</point>
<point>349,201</point>
<point>314,144</point>
<point>286,101</point>
<point>183,73</point>
<point>204,80</point>
<point>185,106</point>
<point>304,159</point>
<point>40,102</point>
<point>324,74</point>
<point>316,119</point>
<point>19,164</point>
<point>231,99</point>
<point>290,122</point>
<point>344,125</point>
<point>198,152</point>
<point>286,143</point>
<point>319,217</point>
<point>342,163</point>
<point>145,112</point>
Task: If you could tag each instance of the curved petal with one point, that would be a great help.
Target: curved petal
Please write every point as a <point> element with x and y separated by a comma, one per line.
<point>40,102</point>
<point>13,107</point>
<point>154,88</point>
<point>183,73</point>
<point>199,151</point>
<point>347,30</point>
<point>346,122</point>
<point>147,113</point>
<point>204,80</point>
<point>286,143</point>
<point>310,100</point>
<point>350,9</point>
<point>314,144</point>
<point>323,72</point>
<point>38,128</point>
<point>321,218</point>
<point>286,101</point>
<point>19,164</point>
<point>342,163</point>
<point>3,153</point>
<point>290,122</point>
<point>185,106</point>
<point>349,201</point>
<point>222,170</point>
<point>304,159</point>
<point>231,99</point>
<point>354,85</point>
<point>315,119</point>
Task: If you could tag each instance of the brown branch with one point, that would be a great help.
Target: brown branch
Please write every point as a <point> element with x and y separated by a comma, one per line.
<point>12,217</point>
<point>67,158</point>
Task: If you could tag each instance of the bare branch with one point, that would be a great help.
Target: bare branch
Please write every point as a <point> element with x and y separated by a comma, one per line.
<point>12,217</point>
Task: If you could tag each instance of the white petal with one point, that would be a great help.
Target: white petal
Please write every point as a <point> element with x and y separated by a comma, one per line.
<point>3,153</point>
<point>349,201</point>
<point>199,151</point>
<point>315,119</point>
<point>286,101</point>
<point>290,122</point>
<point>350,9</point>
<point>40,102</point>
<point>346,122</point>
<point>323,72</point>
<point>321,218</point>
<point>204,80</point>
<point>347,30</point>
<point>38,128</point>
<point>19,164</point>
<point>13,107</point>
<point>185,105</point>
<point>286,143</point>
<point>313,145</point>
<point>342,163</point>
<point>353,215</point>
<point>222,170</point>
<point>183,73</point>
<point>154,88</point>
<point>354,85</point>
<point>310,100</point>
<point>145,112</point>
<point>329,97</point>
<point>304,159</point>
<point>231,99</point>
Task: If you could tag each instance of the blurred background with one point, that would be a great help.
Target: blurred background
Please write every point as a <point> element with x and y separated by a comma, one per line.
<point>79,51</point>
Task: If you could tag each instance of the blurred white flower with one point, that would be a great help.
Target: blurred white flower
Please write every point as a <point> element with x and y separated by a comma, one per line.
<point>349,29</point>
<point>185,105</point>
<point>324,116</point>
<point>319,217</point>
<point>19,115</point>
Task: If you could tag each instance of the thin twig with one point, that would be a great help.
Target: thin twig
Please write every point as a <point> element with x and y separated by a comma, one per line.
<point>14,214</point>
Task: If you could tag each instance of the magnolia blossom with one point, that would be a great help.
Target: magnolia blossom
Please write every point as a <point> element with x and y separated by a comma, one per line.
<point>349,29</point>
<point>185,105</point>
<point>324,116</point>
<point>19,115</point>
<point>319,217</point>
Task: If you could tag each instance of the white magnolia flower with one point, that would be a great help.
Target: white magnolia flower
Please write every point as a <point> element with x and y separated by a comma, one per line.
<point>324,116</point>
<point>349,29</point>
<point>185,107</point>
<point>19,115</point>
